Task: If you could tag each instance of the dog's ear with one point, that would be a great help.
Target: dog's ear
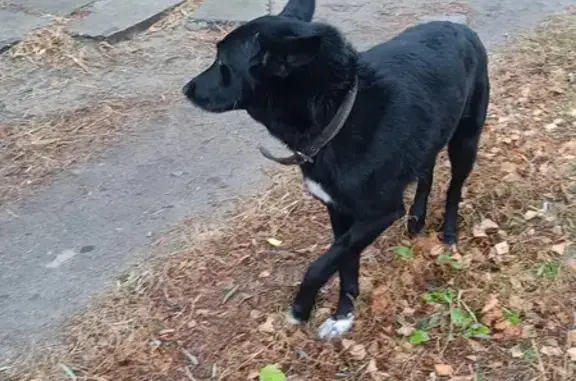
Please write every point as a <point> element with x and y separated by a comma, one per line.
<point>285,55</point>
<point>299,9</point>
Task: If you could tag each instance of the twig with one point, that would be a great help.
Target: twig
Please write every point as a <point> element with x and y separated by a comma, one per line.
<point>230,294</point>
<point>540,363</point>
<point>68,372</point>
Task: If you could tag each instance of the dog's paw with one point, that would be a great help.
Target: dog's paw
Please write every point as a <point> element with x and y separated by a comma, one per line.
<point>291,317</point>
<point>415,226</point>
<point>450,238</point>
<point>335,327</point>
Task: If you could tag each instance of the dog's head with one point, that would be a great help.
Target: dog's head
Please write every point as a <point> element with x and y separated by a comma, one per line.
<point>264,48</point>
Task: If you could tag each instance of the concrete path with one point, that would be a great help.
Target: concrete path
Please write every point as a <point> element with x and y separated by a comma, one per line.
<point>98,19</point>
<point>70,240</point>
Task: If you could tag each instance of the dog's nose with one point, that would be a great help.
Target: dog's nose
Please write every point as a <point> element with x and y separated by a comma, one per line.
<point>188,89</point>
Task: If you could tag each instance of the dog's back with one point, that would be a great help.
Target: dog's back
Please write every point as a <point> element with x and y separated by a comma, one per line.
<point>434,69</point>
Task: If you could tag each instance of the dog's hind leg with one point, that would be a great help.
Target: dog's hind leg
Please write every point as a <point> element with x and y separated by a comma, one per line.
<point>462,150</point>
<point>343,252</point>
<point>417,217</point>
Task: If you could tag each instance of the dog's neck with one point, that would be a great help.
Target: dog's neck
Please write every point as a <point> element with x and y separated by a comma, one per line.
<point>296,110</point>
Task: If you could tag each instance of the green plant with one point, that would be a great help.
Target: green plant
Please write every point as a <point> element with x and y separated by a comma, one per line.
<point>513,316</point>
<point>460,318</point>
<point>430,322</point>
<point>419,337</point>
<point>271,373</point>
<point>468,324</point>
<point>530,356</point>
<point>404,252</point>
<point>477,330</point>
<point>548,270</point>
<point>446,296</point>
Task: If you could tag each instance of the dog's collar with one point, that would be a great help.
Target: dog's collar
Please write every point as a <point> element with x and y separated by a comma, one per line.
<point>307,154</point>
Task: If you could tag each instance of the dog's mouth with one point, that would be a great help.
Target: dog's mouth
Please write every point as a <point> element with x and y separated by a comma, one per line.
<point>213,105</point>
<point>210,106</point>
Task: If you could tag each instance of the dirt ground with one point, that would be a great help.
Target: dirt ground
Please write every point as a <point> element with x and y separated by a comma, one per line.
<point>500,307</point>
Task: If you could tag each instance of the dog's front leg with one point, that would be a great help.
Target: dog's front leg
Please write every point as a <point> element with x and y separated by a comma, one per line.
<point>345,250</point>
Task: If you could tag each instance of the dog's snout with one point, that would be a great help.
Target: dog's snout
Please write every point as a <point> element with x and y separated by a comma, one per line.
<point>188,89</point>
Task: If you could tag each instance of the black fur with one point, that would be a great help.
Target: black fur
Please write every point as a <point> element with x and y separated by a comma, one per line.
<point>423,90</point>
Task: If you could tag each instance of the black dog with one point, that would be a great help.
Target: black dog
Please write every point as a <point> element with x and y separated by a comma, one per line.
<point>362,126</point>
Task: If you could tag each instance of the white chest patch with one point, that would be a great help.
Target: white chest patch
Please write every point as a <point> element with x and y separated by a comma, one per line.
<point>317,191</point>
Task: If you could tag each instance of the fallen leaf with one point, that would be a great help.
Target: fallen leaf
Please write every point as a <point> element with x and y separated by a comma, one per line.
<point>405,330</point>
<point>550,127</point>
<point>477,255</point>
<point>572,336</point>
<point>559,248</point>
<point>408,311</point>
<point>518,303</point>
<point>274,242</point>
<point>436,250</point>
<point>516,351</point>
<point>491,317</point>
<point>508,167</point>
<point>347,343</point>
<point>255,314</point>
<point>372,367</point>
<point>271,373</point>
<point>419,337</point>
<point>572,354</point>
<point>481,230</point>
<point>531,214</point>
<point>443,370</point>
<point>358,352</point>
<point>502,248</point>
<point>267,326</point>
<point>492,303</point>
<point>551,351</point>
<point>503,325</point>
<point>264,274</point>
<point>380,300</point>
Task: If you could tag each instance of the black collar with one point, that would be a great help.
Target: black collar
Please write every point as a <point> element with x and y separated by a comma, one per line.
<point>306,155</point>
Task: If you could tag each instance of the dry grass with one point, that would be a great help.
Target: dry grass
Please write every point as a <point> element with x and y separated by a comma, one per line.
<point>33,149</point>
<point>52,46</point>
<point>176,16</point>
<point>215,310</point>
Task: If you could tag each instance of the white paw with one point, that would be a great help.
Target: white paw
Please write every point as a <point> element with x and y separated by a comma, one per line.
<point>335,328</point>
<point>291,319</point>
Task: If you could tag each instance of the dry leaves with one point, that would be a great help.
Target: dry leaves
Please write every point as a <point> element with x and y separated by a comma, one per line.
<point>559,248</point>
<point>443,370</point>
<point>502,248</point>
<point>516,351</point>
<point>551,351</point>
<point>267,326</point>
<point>492,303</point>
<point>572,354</point>
<point>274,242</point>
<point>358,352</point>
<point>405,330</point>
<point>380,299</point>
<point>484,227</point>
